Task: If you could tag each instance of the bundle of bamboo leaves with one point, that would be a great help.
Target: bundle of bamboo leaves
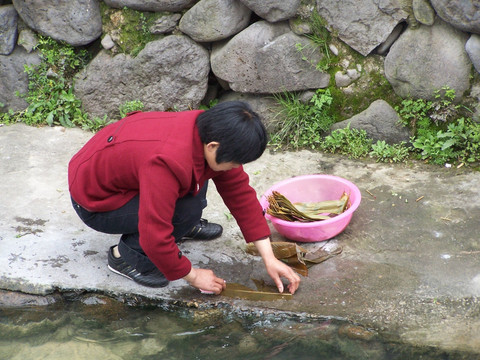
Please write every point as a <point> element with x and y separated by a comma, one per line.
<point>280,207</point>
<point>297,257</point>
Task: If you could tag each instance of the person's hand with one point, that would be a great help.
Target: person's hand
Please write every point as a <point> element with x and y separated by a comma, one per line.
<point>277,269</point>
<point>206,280</point>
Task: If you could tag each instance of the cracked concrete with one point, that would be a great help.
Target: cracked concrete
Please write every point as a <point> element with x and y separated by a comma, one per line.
<point>410,266</point>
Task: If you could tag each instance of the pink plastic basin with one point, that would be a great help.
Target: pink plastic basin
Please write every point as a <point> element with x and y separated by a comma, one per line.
<point>314,188</point>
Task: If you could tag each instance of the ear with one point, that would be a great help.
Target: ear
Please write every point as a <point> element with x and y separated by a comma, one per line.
<point>212,146</point>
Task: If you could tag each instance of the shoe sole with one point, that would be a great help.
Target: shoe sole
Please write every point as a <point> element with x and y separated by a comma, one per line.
<point>119,273</point>
<point>130,278</point>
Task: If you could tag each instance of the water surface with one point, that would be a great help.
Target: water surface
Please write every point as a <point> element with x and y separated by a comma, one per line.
<point>99,328</point>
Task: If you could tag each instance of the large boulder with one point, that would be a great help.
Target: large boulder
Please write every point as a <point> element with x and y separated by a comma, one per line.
<point>171,73</point>
<point>213,20</point>
<point>268,58</point>
<point>362,26</point>
<point>473,50</point>
<point>380,121</point>
<point>151,5</point>
<point>14,78</point>
<point>265,106</point>
<point>424,60</point>
<point>273,10</point>
<point>461,14</point>
<point>77,22</point>
<point>8,29</point>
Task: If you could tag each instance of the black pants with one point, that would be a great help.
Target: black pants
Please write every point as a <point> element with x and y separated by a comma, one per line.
<point>188,211</point>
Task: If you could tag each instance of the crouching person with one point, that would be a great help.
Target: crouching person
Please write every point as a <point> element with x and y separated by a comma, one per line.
<point>145,177</point>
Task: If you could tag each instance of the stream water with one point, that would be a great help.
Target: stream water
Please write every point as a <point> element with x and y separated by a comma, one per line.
<point>99,328</point>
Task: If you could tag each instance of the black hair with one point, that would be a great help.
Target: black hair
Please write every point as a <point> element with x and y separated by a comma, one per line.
<point>237,128</point>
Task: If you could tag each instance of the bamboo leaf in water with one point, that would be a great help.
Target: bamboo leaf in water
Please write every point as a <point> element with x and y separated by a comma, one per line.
<point>239,291</point>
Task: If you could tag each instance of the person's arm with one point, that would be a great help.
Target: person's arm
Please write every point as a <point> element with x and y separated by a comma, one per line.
<point>205,280</point>
<point>275,268</point>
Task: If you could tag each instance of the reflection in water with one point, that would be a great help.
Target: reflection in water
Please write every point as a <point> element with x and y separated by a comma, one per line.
<point>111,330</point>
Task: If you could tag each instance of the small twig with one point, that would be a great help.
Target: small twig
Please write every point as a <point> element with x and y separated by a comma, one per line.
<point>446,219</point>
<point>369,193</point>
<point>420,198</point>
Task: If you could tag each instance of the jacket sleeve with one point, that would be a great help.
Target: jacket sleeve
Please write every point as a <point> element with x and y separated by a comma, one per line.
<point>241,199</point>
<point>159,191</point>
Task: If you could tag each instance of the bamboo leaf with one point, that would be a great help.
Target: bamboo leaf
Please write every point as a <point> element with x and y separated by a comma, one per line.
<point>280,207</point>
<point>240,291</point>
<point>281,249</point>
<point>295,256</point>
<point>297,264</point>
<point>320,255</point>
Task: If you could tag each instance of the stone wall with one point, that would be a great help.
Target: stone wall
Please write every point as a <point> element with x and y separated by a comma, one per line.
<point>247,49</point>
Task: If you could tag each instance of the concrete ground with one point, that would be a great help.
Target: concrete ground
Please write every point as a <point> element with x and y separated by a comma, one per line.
<point>410,264</point>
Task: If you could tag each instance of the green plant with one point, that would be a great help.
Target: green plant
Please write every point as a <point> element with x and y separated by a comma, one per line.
<point>95,124</point>
<point>460,142</point>
<point>130,106</point>
<point>321,37</point>
<point>302,124</point>
<point>440,134</point>
<point>211,104</point>
<point>131,27</point>
<point>50,95</point>
<point>413,111</point>
<point>353,143</point>
<point>421,114</point>
<point>383,152</point>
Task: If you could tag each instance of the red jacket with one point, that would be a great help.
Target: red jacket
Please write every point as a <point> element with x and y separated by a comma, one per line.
<point>158,155</point>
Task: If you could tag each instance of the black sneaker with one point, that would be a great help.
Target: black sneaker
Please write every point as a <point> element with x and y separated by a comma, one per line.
<point>152,278</point>
<point>204,231</point>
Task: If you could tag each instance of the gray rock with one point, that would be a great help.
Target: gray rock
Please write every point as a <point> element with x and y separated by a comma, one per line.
<point>475,107</point>
<point>282,67</point>
<point>363,27</point>
<point>151,5</point>
<point>165,24</point>
<point>27,39</point>
<point>425,60</point>
<point>107,42</point>
<point>306,96</point>
<point>300,27</point>
<point>213,20</point>
<point>472,47</point>
<point>345,79</point>
<point>234,61</point>
<point>8,29</point>
<point>333,49</point>
<point>13,299</point>
<point>264,105</point>
<point>77,22</point>
<point>273,10</point>
<point>461,14</point>
<point>265,58</point>
<point>380,121</point>
<point>14,78</point>
<point>171,73</point>
<point>423,12</point>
